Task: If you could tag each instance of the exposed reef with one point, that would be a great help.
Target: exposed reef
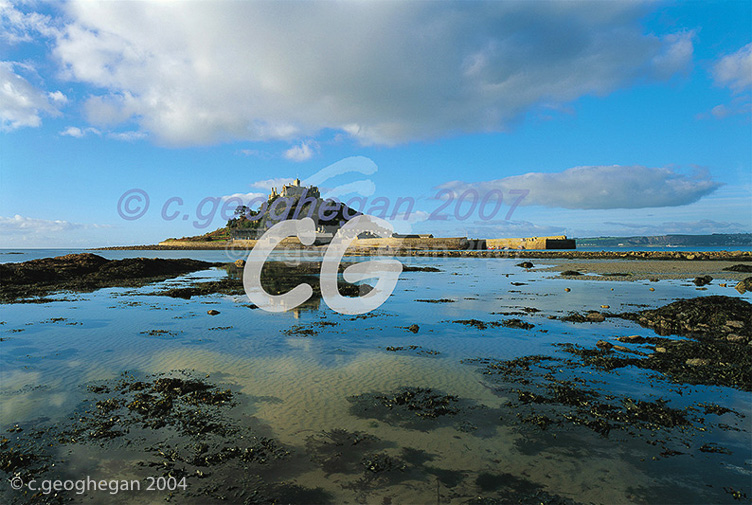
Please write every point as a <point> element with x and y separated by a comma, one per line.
<point>87,272</point>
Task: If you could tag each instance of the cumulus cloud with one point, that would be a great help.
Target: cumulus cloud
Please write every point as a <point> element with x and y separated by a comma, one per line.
<point>735,70</point>
<point>18,26</point>
<point>302,152</point>
<point>380,72</point>
<point>76,132</point>
<point>21,103</point>
<point>597,187</point>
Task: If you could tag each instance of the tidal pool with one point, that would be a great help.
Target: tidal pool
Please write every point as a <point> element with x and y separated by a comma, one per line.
<point>327,407</point>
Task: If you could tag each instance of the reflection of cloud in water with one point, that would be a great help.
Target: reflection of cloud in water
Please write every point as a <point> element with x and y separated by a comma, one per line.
<point>21,395</point>
<point>314,394</point>
<point>314,398</point>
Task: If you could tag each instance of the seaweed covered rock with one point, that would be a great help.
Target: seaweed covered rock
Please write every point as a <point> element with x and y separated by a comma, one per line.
<point>702,280</point>
<point>87,272</point>
<point>705,316</point>
<point>409,407</point>
<point>717,350</point>
<point>741,267</point>
<point>175,425</point>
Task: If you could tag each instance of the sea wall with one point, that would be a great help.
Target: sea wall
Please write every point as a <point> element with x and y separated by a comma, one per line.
<point>553,242</point>
<point>396,243</point>
<point>392,243</point>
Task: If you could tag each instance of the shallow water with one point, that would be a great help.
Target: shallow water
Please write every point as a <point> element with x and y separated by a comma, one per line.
<point>299,385</point>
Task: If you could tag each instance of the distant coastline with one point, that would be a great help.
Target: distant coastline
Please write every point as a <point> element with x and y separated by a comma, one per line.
<point>620,247</point>
<point>714,240</point>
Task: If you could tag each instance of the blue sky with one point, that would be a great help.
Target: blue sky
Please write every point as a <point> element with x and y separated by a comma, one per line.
<point>611,118</point>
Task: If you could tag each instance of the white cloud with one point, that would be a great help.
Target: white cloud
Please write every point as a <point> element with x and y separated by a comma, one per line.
<point>19,225</point>
<point>17,26</point>
<point>76,132</point>
<point>675,55</point>
<point>20,231</point>
<point>73,131</point>
<point>735,70</point>
<point>739,105</point>
<point>598,187</point>
<point>129,136</point>
<point>21,103</point>
<point>302,152</point>
<point>57,97</point>
<point>207,72</point>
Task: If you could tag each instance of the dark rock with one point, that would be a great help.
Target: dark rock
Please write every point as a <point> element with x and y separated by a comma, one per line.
<point>744,286</point>
<point>87,272</point>
<point>212,312</point>
<point>707,356</point>
<point>410,268</point>
<point>414,328</point>
<point>517,323</point>
<point>525,264</point>
<point>476,323</point>
<point>703,280</point>
<point>739,268</point>
<point>574,317</point>
<point>698,316</point>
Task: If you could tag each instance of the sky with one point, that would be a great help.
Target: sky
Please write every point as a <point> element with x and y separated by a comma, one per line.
<point>128,122</point>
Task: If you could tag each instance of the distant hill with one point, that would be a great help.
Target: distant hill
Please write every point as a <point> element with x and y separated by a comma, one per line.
<point>714,240</point>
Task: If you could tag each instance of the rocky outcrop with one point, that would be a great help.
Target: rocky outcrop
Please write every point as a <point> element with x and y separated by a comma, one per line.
<point>704,316</point>
<point>87,272</point>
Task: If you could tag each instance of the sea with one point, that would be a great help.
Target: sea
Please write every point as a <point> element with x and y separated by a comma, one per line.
<point>302,384</point>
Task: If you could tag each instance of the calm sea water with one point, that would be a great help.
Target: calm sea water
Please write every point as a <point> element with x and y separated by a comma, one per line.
<point>50,351</point>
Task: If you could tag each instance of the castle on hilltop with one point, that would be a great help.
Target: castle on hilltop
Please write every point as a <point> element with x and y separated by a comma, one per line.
<point>297,201</point>
<point>295,190</point>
